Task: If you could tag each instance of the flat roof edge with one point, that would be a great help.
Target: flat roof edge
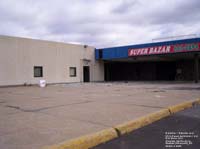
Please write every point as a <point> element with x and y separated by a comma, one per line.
<point>44,40</point>
<point>155,43</point>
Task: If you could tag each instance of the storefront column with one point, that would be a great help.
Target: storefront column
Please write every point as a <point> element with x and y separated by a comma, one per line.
<point>196,68</point>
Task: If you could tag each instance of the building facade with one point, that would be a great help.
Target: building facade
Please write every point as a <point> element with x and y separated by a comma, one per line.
<point>26,61</point>
<point>171,60</point>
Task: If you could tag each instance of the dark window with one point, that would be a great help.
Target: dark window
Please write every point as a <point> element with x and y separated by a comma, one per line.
<point>72,71</point>
<point>38,71</point>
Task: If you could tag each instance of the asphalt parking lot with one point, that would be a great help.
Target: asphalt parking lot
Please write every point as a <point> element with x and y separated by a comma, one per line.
<point>33,117</point>
<point>181,130</point>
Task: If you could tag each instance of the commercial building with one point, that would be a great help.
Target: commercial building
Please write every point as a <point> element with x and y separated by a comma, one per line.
<point>171,60</point>
<point>27,61</point>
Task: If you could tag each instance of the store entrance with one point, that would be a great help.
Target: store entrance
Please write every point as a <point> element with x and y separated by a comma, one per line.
<point>141,71</point>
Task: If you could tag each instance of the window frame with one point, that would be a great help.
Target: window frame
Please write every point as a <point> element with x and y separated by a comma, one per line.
<point>41,71</point>
<point>74,69</point>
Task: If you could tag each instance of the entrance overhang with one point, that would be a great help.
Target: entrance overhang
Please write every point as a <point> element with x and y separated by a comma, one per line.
<point>171,60</point>
<point>152,58</point>
<point>158,49</point>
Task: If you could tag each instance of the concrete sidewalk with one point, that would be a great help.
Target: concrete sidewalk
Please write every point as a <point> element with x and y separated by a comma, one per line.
<point>32,117</point>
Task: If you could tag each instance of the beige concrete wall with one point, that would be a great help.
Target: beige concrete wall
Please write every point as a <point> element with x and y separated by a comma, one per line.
<point>19,56</point>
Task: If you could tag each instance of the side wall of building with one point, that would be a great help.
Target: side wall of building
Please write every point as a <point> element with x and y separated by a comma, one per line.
<point>19,56</point>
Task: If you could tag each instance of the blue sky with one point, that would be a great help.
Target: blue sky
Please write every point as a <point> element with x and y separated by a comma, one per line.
<point>99,23</point>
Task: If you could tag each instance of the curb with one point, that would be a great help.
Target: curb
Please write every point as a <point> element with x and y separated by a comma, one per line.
<point>184,105</point>
<point>197,102</point>
<point>92,140</point>
<point>87,141</point>
<point>141,122</point>
<point>180,107</point>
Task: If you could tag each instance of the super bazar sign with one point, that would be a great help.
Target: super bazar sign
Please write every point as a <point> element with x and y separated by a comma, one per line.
<point>165,49</point>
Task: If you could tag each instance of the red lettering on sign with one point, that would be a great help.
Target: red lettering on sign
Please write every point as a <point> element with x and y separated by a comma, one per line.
<point>165,49</point>
<point>148,51</point>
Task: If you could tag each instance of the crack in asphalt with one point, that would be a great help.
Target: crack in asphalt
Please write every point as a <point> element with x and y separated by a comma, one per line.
<point>184,88</point>
<point>44,108</point>
<point>140,105</point>
<point>147,106</point>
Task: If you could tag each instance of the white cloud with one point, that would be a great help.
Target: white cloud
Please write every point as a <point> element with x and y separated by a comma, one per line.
<point>100,23</point>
